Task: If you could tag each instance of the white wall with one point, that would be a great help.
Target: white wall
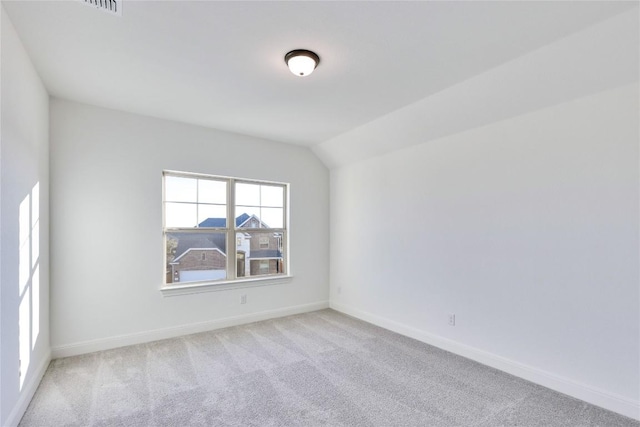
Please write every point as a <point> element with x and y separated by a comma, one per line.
<point>24,226</point>
<point>511,200</point>
<point>600,57</point>
<point>106,242</point>
<point>526,229</point>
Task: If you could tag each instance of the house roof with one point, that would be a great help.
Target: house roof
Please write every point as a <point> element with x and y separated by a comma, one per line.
<point>177,259</point>
<point>222,222</point>
<point>188,241</point>
<point>240,224</point>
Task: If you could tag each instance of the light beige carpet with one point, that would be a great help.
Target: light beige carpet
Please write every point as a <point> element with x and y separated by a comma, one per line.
<point>315,369</point>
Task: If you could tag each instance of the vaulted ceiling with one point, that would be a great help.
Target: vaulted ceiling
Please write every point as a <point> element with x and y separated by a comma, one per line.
<point>220,64</point>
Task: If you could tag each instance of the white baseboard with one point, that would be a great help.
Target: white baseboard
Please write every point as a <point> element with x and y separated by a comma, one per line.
<point>593,395</point>
<point>28,391</point>
<point>160,334</point>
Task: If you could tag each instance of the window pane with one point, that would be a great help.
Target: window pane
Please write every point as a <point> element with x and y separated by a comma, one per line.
<point>212,216</point>
<point>247,194</point>
<point>199,255</point>
<point>272,217</point>
<point>259,253</point>
<point>212,191</point>
<point>180,189</point>
<point>195,257</point>
<point>180,215</point>
<point>272,196</point>
<point>247,217</point>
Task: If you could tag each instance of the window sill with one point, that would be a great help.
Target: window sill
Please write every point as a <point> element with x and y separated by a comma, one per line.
<point>196,288</point>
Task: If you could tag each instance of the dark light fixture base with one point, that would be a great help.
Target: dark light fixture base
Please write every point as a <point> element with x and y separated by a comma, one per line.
<point>302,52</point>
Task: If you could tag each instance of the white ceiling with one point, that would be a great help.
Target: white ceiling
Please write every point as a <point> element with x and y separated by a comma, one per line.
<point>220,64</point>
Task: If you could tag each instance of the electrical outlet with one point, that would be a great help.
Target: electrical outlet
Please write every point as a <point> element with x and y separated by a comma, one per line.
<point>452,319</point>
<point>243,299</point>
<point>339,290</point>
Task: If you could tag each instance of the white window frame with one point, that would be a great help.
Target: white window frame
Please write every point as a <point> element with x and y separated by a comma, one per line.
<point>231,230</point>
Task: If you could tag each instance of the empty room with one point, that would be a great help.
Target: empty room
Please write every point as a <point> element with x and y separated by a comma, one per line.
<point>305,213</point>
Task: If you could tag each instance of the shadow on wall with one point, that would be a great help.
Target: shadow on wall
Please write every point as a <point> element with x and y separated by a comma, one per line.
<point>29,279</point>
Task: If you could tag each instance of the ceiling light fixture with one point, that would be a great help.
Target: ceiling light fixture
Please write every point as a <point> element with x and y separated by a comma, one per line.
<point>301,62</point>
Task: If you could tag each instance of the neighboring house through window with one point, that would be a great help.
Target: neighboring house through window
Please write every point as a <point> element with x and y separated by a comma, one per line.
<point>203,213</point>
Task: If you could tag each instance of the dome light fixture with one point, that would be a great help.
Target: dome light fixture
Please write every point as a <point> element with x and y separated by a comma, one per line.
<point>301,62</point>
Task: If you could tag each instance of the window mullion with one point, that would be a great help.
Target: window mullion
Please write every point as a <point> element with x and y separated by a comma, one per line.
<point>285,234</point>
<point>197,201</point>
<point>231,231</point>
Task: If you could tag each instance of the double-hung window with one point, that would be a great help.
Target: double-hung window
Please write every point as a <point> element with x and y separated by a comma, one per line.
<point>220,230</point>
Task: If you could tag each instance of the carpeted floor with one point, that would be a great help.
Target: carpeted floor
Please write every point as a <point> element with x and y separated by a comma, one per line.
<point>320,368</point>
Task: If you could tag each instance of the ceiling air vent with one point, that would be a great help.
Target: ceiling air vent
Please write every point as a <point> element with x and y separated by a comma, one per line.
<point>110,6</point>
